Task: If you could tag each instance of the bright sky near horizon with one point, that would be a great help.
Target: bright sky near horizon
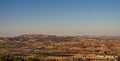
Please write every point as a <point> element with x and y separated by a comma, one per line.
<point>60,17</point>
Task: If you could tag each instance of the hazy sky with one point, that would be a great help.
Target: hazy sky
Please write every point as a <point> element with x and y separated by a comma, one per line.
<point>60,17</point>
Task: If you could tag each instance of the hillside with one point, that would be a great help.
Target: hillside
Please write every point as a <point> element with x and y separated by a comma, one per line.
<point>39,45</point>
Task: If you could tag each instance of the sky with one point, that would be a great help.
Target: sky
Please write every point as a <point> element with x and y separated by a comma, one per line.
<point>60,17</point>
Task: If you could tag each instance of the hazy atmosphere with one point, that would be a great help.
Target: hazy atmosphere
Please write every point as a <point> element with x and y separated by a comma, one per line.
<point>60,17</point>
<point>59,30</point>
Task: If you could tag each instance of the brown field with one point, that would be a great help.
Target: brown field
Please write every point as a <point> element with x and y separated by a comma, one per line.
<point>62,48</point>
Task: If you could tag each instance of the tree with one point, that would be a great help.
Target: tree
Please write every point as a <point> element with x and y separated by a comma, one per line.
<point>32,59</point>
<point>17,59</point>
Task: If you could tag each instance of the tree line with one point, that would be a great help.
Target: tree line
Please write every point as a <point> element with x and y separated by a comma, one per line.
<point>11,58</point>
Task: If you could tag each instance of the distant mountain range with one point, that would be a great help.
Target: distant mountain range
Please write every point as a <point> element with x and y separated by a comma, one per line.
<point>42,37</point>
